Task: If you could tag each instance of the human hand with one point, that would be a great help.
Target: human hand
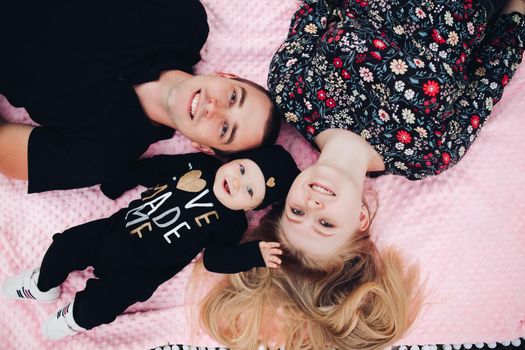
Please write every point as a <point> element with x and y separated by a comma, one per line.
<point>270,252</point>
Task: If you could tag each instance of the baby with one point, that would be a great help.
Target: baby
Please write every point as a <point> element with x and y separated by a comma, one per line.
<point>194,202</point>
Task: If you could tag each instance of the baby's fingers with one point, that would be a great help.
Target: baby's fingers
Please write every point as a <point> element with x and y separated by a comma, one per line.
<point>269,244</point>
<point>273,262</point>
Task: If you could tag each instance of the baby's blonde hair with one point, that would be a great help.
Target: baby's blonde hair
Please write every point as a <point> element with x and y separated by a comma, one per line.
<point>361,299</point>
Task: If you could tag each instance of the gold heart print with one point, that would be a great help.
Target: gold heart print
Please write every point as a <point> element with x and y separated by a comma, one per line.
<point>271,182</point>
<point>191,181</point>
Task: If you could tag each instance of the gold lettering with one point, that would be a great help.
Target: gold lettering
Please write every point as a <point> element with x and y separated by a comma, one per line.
<point>205,217</point>
<point>157,190</point>
<point>138,229</point>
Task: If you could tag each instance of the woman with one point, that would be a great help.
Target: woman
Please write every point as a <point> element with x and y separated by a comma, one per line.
<point>379,88</point>
<point>361,299</point>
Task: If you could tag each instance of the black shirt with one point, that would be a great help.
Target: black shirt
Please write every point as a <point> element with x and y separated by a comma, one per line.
<point>73,65</point>
<point>179,215</point>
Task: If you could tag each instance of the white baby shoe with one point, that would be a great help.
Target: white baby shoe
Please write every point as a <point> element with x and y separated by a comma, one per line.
<point>24,286</point>
<point>61,324</point>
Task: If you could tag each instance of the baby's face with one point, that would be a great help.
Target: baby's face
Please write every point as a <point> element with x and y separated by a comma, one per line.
<point>239,185</point>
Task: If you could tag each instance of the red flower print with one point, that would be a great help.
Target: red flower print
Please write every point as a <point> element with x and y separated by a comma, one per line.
<point>337,62</point>
<point>505,80</point>
<point>379,44</point>
<point>299,91</point>
<point>375,55</point>
<point>310,129</point>
<point>345,74</point>
<point>321,94</point>
<point>437,37</point>
<point>403,136</point>
<point>431,88</point>
<point>462,57</point>
<point>445,157</point>
<point>330,103</point>
<point>474,121</point>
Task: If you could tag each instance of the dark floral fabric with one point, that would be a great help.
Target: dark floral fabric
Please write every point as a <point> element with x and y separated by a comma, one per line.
<point>416,79</point>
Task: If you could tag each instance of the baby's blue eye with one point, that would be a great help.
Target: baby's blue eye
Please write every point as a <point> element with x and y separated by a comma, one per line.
<point>250,191</point>
<point>241,169</point>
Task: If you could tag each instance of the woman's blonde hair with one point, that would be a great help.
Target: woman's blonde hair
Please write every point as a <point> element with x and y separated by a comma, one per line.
<point>360,300</point>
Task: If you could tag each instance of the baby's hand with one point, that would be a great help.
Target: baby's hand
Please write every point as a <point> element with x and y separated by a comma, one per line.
<point>269,251</point>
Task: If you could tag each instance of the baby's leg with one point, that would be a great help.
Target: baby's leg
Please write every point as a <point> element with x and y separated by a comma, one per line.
<point>74,249</point>
<point>105,298</point>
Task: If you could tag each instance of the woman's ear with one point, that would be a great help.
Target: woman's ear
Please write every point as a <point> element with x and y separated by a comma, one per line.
<point>364,218</point>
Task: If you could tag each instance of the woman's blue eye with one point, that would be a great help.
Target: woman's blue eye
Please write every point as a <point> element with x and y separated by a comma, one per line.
<point>325,223</point>
<point>241,169</point>
<point>297,212</point>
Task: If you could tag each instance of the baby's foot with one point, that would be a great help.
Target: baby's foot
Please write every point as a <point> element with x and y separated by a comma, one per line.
<point>24,286</point>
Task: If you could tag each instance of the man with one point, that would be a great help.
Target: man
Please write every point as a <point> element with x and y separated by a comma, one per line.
<point>105,79</point>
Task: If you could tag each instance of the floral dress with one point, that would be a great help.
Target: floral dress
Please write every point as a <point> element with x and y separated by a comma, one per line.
<point>416,79</point>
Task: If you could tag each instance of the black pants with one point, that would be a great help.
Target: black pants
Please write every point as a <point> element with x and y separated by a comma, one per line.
<point>119,283</point>
<point>493,7</point>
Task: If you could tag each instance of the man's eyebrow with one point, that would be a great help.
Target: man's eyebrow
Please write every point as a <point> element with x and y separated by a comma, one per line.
<point>243,96</point>
<point>232,134</point>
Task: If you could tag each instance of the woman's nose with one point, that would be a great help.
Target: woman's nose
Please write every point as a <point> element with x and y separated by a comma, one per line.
<point>313,203</point>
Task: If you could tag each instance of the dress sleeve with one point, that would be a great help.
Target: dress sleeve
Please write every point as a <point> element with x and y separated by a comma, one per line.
<point>494,63</point>
<point>147,172</point>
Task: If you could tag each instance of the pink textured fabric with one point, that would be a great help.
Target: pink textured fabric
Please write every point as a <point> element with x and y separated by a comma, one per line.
<point>465,228</point>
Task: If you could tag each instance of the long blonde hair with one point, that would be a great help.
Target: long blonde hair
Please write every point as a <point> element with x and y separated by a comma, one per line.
<point>361,300</point>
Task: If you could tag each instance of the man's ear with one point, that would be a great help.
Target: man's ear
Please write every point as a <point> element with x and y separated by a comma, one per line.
<point>226,75</point>
<point>202,148</point>
<point>364,218</point>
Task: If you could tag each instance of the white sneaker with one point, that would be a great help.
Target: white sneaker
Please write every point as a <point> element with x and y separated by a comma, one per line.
<point>24,286</point>
<point>61,324</point>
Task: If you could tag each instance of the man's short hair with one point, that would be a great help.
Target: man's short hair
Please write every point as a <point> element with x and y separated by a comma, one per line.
<point>272,126</point>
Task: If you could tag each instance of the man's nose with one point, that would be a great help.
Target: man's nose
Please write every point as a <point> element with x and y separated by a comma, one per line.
<point>213,108</point>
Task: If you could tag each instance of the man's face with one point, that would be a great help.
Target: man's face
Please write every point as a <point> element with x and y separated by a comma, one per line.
<point>220,112</point>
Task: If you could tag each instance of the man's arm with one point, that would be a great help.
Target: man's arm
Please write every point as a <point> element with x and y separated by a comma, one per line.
<point>14,140</point>
<point>148,172</point>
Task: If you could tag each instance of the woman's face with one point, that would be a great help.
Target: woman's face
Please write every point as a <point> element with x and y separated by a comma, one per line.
<point>323,209</point>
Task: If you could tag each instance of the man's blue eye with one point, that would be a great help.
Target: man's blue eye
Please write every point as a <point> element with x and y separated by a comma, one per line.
<point>224,129</point>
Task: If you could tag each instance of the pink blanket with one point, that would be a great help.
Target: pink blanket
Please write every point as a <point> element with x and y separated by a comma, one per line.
<point>466,228</point>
